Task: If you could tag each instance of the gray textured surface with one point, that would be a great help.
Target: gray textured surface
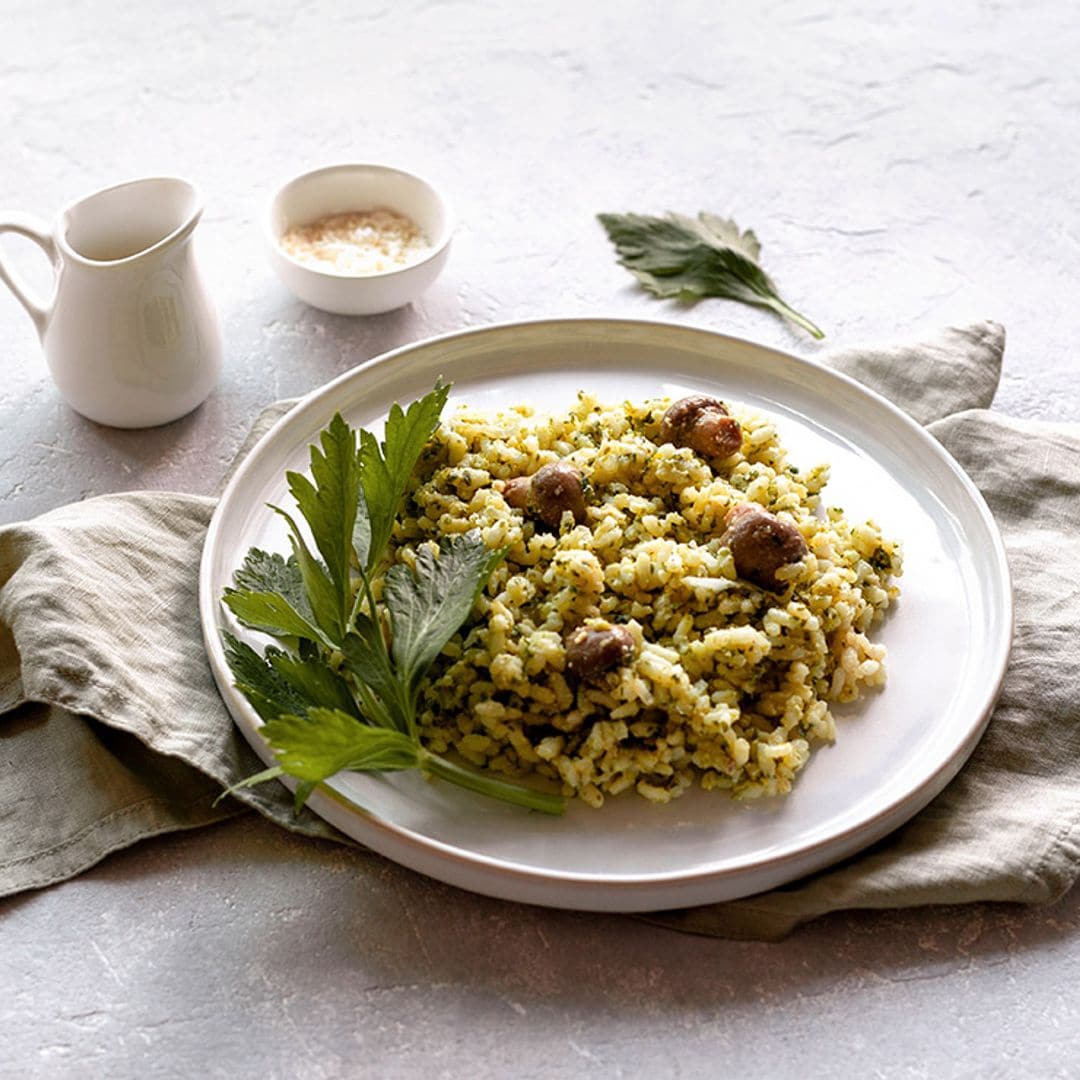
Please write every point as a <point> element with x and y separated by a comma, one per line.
<point>903,167</point>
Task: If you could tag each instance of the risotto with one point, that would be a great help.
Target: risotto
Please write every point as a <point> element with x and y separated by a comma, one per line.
<point>627,641</point>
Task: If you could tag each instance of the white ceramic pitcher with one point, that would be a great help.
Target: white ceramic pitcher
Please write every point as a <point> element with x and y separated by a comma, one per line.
<point>130,335</point>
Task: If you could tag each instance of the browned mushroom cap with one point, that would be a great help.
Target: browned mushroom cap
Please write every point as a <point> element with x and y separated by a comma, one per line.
<point>592,650</point>
<point>704,424</point>
<point>555,489</point>
<point>516,492</point>
<point>761,543</point>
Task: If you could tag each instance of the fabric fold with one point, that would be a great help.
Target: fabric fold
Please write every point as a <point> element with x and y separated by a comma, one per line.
<point>100,638</point>
<point>956,369</point>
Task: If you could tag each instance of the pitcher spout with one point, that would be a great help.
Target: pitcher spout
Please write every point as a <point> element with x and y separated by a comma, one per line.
<point>130,221</point>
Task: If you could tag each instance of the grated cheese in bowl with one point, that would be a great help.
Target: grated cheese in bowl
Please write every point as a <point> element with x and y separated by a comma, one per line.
<point>359,243</point>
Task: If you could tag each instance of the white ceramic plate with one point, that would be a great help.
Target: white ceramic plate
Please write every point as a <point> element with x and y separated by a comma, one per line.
<point>948,637</point>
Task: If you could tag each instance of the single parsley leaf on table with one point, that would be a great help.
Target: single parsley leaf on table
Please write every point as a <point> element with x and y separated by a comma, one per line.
<point>341,690</point>
<point>687,258</point>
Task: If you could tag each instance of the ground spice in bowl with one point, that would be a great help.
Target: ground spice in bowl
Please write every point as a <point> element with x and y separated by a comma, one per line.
<point>361,243</point>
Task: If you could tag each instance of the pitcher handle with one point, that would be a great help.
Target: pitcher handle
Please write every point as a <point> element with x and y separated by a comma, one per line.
<point>37,230</point>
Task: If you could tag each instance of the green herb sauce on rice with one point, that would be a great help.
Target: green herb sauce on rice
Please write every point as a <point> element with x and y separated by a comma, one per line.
<point>729,685</point>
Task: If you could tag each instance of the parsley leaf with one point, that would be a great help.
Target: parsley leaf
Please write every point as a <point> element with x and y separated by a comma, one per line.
<point>271,613</point>
<point>272,573</point>
<point>690,258</point>
<point>317,684</point>
<point>326,741</point>
<point>323,597</point>
<point>385,469</point>
<point>268,692</point>
<point>428,604</point>
<point>278,682</point>
<point>366,657</point>
<point>329,504</point>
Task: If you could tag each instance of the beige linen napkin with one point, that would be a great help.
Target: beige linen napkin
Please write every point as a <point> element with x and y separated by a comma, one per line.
<point>111,728</point>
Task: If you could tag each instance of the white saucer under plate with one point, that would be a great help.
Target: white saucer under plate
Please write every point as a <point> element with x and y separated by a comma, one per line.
<point>948,637</point>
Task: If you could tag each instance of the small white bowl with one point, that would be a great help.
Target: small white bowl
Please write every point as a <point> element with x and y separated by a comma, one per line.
<point>340,189</point>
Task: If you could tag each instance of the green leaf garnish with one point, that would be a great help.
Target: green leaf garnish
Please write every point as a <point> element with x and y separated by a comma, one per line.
<point>367,658</point>
<point>313,682</point>
<point>272,573</point>
<point>252,781</point>
<point>271,613</point>
<point>322,594</point>
<point>338,695</point>
<point>268,692</point>
<point>689,258</point>
<point>429,604</point>
<point>385,469</point>
<point>329,505</point>
<point>327,741</point>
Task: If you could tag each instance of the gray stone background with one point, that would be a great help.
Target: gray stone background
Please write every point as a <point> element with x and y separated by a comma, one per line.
<point>904,164</point>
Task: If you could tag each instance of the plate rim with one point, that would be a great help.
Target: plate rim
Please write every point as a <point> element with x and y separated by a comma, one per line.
<point>600,891</point>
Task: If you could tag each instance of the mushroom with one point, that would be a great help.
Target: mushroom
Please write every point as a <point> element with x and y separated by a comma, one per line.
<point>761,543</point>
<point>703,424</point>
<point>553,490</point>
<point>592,650</point>
<point>516,492</point>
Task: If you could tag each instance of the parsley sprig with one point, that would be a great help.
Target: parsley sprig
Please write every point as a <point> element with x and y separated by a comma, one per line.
<point>689,258</point>
<point>341,689</point>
